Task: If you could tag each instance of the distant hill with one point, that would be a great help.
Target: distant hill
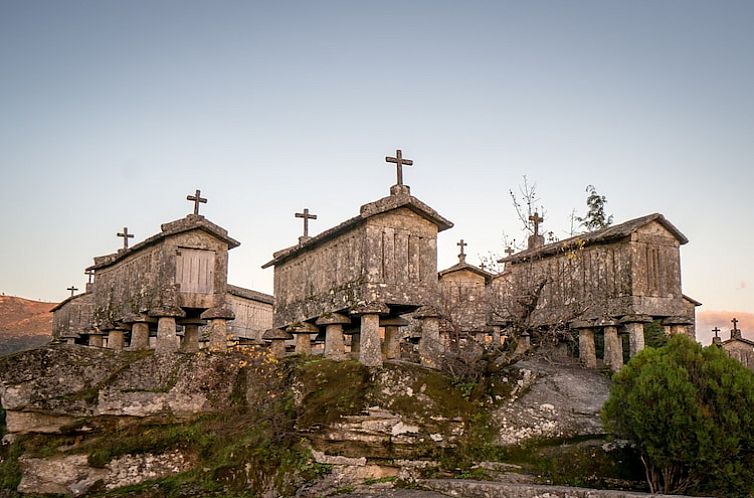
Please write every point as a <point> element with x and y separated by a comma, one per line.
<point>24,324</point>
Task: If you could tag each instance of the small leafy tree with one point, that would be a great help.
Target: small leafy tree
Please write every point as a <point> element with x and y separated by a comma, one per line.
<point>595,217</point>
<point>690,411</point>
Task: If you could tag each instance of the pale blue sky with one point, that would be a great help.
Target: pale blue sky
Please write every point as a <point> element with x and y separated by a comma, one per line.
<point>112,112</point>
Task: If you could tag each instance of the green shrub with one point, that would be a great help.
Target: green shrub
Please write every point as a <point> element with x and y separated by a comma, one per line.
<point>690,410</point>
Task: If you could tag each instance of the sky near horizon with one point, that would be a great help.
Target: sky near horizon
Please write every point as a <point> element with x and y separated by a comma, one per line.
<point>112,112</point>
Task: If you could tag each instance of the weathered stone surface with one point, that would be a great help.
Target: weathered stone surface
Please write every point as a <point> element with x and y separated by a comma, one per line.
<point>587,351</point>
<point>613,348</point>
<point>551,401</point>
<point>628,269</point>
<point>70,382</point>
<point>73,475</point>
<point>387,254</point>
<point>483,489</point>
<point>370,349</point>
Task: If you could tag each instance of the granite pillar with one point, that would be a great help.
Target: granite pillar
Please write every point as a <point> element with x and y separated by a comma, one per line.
<point>190,343</point>
<point>139,336</point>
<point>587,350</point>
<point>335,348</point>
<point>95,340</point>
<point>115,339</point>
<point>370,350</point>
<point>218,334</point>
<point>167,340</point>
<point>613,346</point>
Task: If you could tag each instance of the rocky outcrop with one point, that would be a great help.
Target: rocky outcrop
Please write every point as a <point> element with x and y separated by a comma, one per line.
<point>72,475</point>
<point>46,389</point>
<point>551,401</point>
<point>359,423</point>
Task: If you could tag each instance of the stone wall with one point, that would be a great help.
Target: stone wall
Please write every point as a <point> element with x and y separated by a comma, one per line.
<point>252,317</point>
<point>73,317</point>
<point>636,274</point>
<point>390,258</point>
<point>463,302</point>
<point>150,278</point>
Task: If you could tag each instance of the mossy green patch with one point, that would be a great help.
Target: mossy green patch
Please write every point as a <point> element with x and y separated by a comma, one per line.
<point>330,390</point>
<point>10,469</point>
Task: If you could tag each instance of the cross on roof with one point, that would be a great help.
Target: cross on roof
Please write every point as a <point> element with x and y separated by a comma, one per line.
<point>462,245</point>
<point>482,266</point>
<point>536,219</point>
<point>306,216</point>
<point>90,274</point>
<point>716,331</point>
<point>509,250</point>
<point>125,236</point>
<point>399,161</point>
<point>735,323</point>
<point>72,289</point>
<point>196,198</point>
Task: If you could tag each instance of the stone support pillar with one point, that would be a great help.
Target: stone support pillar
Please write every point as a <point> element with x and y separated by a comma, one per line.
<point>369,342</point>
<point>587,350</point>
<point>613,345</point>
<point>634,326</point>
<point>190,343</point>
<point>370,350</point>
<point>303,332</point>
<point>278,338</point>
<point>218,326</point>
<point>303,344</point>
<point>335,348</point>
<point>392,344</point>
<point>139,336</point>
<point>72,341</point>
<point>218,334</point>
<point>95,340</point>
<point>167,340</point>
<point>115,339</point>
<point>676,325</point>
<point>430,348</point>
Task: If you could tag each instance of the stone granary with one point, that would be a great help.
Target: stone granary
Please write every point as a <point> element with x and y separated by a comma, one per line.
<point>614,280</point>
<point>175,278</point>
<point>370,269</point>
<point>737,346</point>
<point>463,301</point>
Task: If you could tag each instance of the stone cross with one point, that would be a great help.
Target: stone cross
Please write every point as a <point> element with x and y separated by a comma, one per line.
<point>90,274</point>
<point>509,250</point>
<point>716,331</point>
<point>306,216</point>
<point>735,324</point>
<point>125,236</point>
<point>462,256</point>
<point>536,219</point>
<point>399,161</point>
<point>72,289</point>
<point>196,199</point>
<point>482,266</point>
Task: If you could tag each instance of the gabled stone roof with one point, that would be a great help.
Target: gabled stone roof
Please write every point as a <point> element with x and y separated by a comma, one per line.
<point>68,300</point>
<point>250,294</point>
<point>468,267</point>
<point>190,222</point>
<point>739,339</point>
<point>384,205</point>
<point>602,236</point>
